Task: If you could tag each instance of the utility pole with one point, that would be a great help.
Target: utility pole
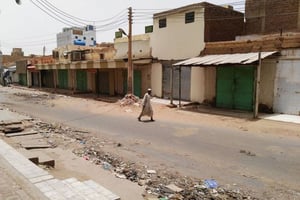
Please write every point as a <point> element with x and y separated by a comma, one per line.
<point>130,67</point>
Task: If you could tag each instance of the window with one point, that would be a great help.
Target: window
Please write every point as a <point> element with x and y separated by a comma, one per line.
<point>162,23</point>
<point>84,38</point>
<point>189,17</point>
<point>101,56</point>
<point>55,54</point>
<point>92,38</point>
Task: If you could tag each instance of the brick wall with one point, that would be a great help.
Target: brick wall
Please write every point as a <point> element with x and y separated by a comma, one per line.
<point>270,16</point>
<point>222,24</point>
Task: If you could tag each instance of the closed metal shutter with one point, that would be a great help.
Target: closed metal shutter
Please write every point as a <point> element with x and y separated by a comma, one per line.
<point>235,87</point>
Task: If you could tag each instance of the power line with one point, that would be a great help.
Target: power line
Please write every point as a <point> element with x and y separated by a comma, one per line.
<point>56,18</point>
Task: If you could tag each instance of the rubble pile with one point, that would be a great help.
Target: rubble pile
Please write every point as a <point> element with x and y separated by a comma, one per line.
<point>158,184</point>
<point>129,99</point>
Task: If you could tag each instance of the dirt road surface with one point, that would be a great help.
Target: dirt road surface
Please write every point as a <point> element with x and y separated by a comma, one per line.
<point>258,156</point>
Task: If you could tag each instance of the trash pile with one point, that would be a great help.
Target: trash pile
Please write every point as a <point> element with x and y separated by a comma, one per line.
<point>129,99</point>
<point>158,184</point>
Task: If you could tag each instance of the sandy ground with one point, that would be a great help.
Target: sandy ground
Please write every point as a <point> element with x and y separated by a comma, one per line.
<point>69,165</point>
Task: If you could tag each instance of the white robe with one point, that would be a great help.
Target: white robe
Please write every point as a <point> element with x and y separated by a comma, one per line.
<point>147,108</point>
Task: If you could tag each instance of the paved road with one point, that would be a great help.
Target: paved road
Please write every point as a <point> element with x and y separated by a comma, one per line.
<point>263,163</point>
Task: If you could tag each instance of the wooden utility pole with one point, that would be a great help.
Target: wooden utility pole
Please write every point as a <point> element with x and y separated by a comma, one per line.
<point>257,87</point>
<point>130,67</point>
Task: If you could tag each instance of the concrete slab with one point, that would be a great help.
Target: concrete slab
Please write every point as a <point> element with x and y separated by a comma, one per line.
<point>8,115</point>
<point>281,117</point>
<point>21,133</point>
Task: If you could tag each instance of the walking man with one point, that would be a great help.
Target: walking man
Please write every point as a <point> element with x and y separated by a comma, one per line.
<point>147,108</point>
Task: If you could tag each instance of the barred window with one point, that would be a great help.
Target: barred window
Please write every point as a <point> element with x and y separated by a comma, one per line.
<point>163,23</point>
<point>189,17</point>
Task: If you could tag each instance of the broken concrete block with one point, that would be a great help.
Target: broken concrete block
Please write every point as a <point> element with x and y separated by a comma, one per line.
<point>174,187</point>
<point>13,128</point>
<point>151,171</point>
<point>21,134</point>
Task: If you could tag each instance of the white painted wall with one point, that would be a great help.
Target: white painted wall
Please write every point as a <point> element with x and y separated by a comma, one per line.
<point>140,47</point>
<point>210,84</point>
<point>267,78</point>
<point>197,84</point>
<point>203,84</point>
<point>156,79</point>
<point>178,40</point>
<point>67,37</point>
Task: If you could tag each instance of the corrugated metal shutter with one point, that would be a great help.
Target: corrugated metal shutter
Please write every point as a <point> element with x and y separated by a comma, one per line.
<point>185,82</point>
<point>35,79</point>
<point>23,79</point>
<point>63,79</point>
<point>235,86</point>
<point>81,77</point>
<point>104,82</point>
<point>137,79</point>
<point>47,78</point>
<point>287,88</point>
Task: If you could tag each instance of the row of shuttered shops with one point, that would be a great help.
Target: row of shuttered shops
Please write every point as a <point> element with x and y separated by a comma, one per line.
<point>86,77</point>
<point>227,86</point>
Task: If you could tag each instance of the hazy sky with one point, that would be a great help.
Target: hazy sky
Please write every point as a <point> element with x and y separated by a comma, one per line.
<point>27,26</point>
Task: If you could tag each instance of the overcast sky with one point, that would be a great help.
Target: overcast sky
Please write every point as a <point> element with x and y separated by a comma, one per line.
<point>27,26</point>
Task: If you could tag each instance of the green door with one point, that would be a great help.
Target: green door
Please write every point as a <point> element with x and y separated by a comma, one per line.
<point>104,82</point>
<point>23,79</point>
<point>63,78</point>
<point>137,79</point>
<point>81,80</point>
<point>137,82</point>
<point>235,87</point>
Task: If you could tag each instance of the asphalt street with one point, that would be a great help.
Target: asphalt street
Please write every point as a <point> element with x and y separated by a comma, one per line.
<point>263,163</point>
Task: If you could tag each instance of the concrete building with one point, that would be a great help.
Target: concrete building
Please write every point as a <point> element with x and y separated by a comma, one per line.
<point>272,16</point>
<point>144,70</point>
<point>235,77</point>
<point>182,33</point>
<point>82,36</point>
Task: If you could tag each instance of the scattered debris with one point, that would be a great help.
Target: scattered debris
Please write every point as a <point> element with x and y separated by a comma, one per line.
<point>151,171</point>
<point>129,99</point>
<point>248,153</point>
<point>158,184</point>
<point>21,133</point>
<point>210,183</point>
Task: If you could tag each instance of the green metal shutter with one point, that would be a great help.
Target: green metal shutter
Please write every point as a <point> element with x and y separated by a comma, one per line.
<point>137,83</point>
<point>104,82</point>
<point>63,78</point>
<point>23,79</point>
<point>137,79</point>
<point>243,94</point>
<point>81,77</point>
<point>235,87</point>
<point>47,78</point>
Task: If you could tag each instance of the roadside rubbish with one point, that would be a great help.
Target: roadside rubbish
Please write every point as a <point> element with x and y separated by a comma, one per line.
<point>210,183</point>
<point>129,99</point>
<point>106,165</point>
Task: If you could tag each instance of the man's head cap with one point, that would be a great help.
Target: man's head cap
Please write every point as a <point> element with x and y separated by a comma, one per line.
<point>149,89</point>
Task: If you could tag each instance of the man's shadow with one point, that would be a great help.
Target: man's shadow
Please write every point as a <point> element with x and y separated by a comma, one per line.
<point>147,121</point>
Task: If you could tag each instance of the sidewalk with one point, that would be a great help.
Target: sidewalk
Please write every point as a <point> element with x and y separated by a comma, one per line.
<point>233,113</point>
<point>21,179</point>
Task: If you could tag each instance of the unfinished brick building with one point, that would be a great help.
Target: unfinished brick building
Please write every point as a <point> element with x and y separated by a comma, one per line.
<point>272,16</point>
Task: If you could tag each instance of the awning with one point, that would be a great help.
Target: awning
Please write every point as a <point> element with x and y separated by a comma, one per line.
<point>238,58</point>
<point>31,67</point>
